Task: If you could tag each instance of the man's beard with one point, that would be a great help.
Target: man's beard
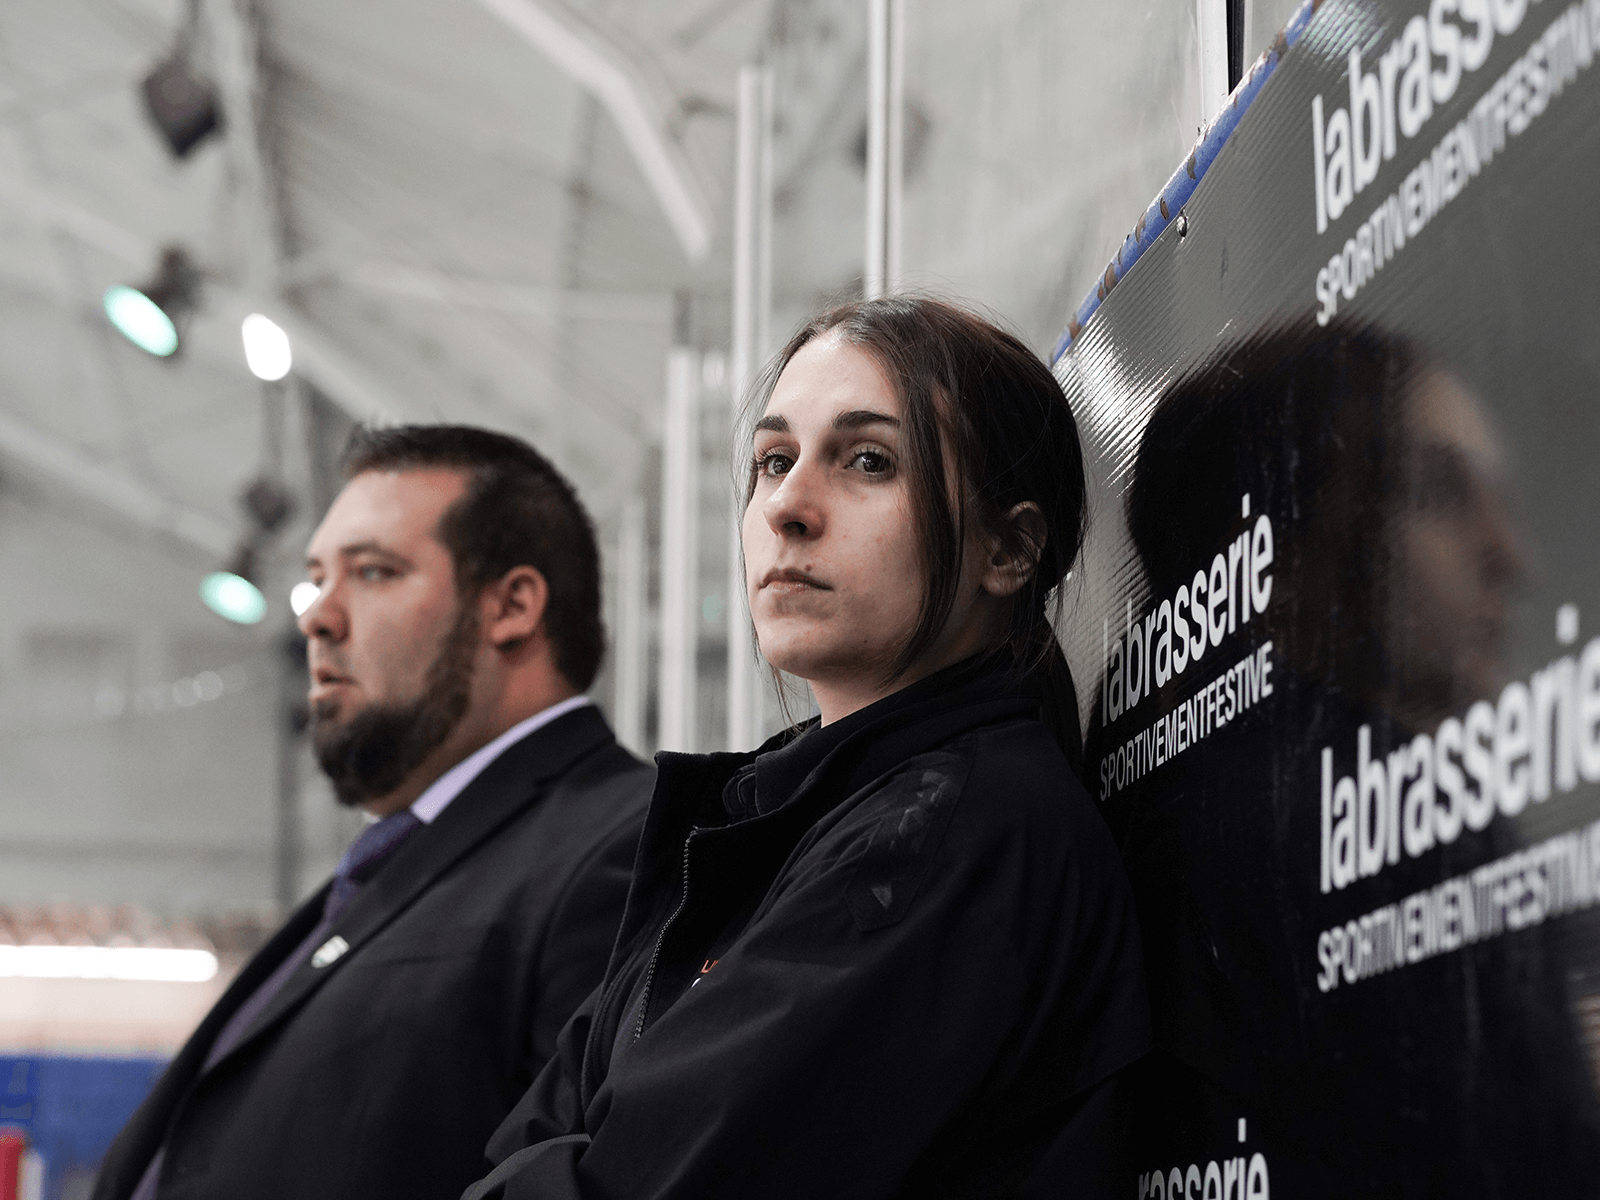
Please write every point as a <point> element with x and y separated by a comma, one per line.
<point>369,755</point>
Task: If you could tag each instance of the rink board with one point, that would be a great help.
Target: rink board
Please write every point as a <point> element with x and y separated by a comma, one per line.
<point>1336,630</point>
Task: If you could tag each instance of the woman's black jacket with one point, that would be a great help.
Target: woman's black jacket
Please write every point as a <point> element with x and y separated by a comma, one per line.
<point>890,957</point>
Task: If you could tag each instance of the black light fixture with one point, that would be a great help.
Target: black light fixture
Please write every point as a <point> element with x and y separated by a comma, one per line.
<point>182,103</point>
<point>151,315</point>
<point>267,504</point>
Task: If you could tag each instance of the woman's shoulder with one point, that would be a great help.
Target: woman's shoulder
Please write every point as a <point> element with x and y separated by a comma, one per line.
<point>1018,779</point>
<point>998,790</point>
<point>990,826</point>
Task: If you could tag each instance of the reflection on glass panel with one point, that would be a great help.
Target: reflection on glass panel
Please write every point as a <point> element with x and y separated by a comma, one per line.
<point>1262,21</point>
<point>1036,134</point>
<point>818,52</point>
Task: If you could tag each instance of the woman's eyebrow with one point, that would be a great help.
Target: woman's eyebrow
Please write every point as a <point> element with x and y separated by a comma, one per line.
<point>858,417</point>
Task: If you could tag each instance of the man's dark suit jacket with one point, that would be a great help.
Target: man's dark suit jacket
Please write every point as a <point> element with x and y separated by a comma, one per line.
<point>383,1073</point>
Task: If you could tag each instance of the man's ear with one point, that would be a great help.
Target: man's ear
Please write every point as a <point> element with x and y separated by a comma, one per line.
<point>514,607</point>
<point>1013,551</point>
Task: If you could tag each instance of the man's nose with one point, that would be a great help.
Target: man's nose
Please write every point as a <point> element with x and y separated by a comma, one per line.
<point>324,617</point>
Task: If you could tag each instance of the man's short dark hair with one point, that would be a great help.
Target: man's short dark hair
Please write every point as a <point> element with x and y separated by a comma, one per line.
<point>518,510</point>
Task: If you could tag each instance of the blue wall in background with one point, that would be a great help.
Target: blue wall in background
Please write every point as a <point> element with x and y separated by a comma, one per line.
<point>71,1108</point>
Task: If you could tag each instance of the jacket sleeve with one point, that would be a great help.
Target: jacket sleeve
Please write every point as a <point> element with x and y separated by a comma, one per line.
<point>550,1110</point>
<point>818,1058</point>
<point>578,943</point>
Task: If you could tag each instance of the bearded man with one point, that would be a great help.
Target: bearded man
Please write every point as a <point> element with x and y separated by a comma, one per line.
<point>377,1040</point>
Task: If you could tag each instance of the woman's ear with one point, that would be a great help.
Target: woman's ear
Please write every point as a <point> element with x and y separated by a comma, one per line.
<point>1013,551</point>
<point>514,607</point>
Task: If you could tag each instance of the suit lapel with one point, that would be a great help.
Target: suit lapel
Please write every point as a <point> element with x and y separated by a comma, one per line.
<point>504,789</point>
<point>145,1131</point>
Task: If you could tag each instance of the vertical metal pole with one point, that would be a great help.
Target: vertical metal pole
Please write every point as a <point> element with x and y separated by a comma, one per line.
<point>287,457</point>
<point>885,143</point>
<point>752,323</point>
<point>632,637</point>
<point>680,509</point>
<point>1211,28</point>
<point>894,168</point>
<point>743,698</point>
<point>1238,16</point>
<point>291,718</point>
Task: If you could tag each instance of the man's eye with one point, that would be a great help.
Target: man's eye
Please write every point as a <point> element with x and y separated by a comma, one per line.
<point>373,573</point>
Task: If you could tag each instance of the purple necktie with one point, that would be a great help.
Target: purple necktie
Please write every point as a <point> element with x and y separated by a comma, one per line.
<point>365,855</point>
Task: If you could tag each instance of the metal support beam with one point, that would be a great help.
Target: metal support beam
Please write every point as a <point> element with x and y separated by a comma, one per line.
<point>752,340</point>
<point>632,645</point>
<point>1238,24</point>
<point>680,557</point>
<point>292,681</point>
<point>116,489</point>
<point>1211,35</point>
<point>257,234</point>
<point>258,248</point>
<point>517,299</point>
<point>596,64</point>
<point>886,91</point>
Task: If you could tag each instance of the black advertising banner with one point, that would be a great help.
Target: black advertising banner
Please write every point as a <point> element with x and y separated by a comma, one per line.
<point>1337,626</point>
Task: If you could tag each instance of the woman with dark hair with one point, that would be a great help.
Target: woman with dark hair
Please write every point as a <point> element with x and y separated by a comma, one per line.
<point>891,952</point>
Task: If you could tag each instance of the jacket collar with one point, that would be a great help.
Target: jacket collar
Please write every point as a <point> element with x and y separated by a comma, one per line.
<point>913,713</point>
<point>506,787</point>
<point>800,775</point>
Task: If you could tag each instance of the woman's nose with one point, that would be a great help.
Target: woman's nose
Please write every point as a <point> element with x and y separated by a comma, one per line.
<point>793,508</point>
<point>1505,548</point>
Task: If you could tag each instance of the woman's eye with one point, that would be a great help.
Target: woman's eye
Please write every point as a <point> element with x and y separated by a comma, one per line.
<point>773,464</point>
<point>871,462</point>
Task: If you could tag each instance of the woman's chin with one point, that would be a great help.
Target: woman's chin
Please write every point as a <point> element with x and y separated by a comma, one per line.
<point>800,665</point>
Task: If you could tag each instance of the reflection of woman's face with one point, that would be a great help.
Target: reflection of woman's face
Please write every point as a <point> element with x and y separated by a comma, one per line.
<point>833,567</point>
<point>1456,553</point>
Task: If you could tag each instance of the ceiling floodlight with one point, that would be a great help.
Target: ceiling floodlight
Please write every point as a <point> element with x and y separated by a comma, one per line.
<point>266,348</point>
<point>302,596</point>
<point>149,315</point>
<point>140,319</point>
<point>234,597</point>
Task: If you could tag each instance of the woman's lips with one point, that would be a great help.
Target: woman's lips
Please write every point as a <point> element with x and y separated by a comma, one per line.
<point>791,581</point>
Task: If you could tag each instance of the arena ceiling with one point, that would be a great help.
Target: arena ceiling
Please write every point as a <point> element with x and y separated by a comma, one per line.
<point>496,211</point>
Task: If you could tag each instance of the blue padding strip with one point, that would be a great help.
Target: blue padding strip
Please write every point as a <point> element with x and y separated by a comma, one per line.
<point>1186,178</point>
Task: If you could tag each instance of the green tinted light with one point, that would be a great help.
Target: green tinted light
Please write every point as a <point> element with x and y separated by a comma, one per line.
<point>234,597</point>
<point>140,319</point>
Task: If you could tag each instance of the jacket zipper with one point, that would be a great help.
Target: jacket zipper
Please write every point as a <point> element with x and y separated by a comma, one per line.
<point>655,955</point>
